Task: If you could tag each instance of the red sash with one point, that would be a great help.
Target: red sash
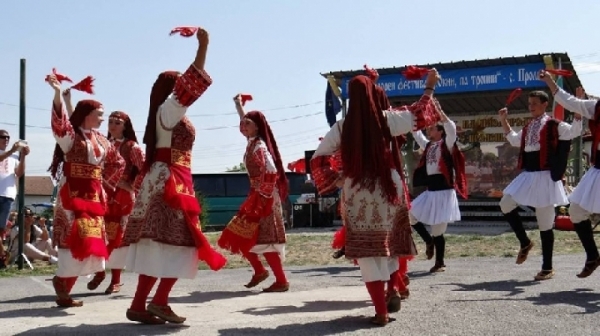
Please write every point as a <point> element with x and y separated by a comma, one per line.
<point>179,194</point>
<point>120,204</point>
<point>82,194</point>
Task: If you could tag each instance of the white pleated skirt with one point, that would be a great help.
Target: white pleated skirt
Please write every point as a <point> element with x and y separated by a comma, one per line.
<point>436,207</point>
<point>162,260</point>
<point>587,192</point>
<point>118,258</point>
<point>69,267</point>
<point>537,189</point>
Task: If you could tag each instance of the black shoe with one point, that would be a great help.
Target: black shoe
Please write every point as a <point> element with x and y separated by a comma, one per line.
<point>339,253</point>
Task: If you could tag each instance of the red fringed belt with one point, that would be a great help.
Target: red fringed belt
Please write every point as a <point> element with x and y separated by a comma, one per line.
<point>82,194</point>
<point>179,194</point>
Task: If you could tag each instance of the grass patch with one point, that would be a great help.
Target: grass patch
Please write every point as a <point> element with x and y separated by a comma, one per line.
<point>315,250</point>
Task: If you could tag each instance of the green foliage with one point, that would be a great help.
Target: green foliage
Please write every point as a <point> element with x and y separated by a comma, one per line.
<point>204,206</point>
<point>239,168</point>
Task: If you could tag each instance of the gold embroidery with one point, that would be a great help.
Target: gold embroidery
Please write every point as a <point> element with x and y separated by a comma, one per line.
<point>241,227</point>
<point>86,171</point>
<point>90,227</point>
<point>181,158</point>
<point>111,230</point>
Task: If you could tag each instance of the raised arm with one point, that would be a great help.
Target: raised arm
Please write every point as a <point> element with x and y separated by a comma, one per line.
<point>514,138</point>
<point>62,130</point>
<point>238,106</point>
<point>584,107</point>
<point>188,88</point>
<point>420,139</point>
<point>68,103</point>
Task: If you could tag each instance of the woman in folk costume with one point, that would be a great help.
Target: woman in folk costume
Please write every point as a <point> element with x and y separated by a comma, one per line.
<point>84,164</point>
<point>585,199</point>
<point>120,200</point>
<point>397,287</point>
<point>372,196</point>
<point>164,232</point>
<point>258,227</point>
<point>442,170</point>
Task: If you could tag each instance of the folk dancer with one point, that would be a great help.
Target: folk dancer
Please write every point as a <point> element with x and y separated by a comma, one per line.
<point>544,148</point>
<point>372,188</point>
<point>83,161</point>
<point>442,170</point>
<point>120,201</point>
<point>585,199</point>
<point>164,231</point>
<point>258,229</point>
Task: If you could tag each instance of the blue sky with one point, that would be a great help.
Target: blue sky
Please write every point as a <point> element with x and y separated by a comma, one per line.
<point>273,50</point>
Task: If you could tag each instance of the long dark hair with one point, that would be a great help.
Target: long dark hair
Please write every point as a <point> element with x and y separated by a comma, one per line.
<point>82,110</point>
<point>265,133</point>
<point>366,138</point>
<point>162,88</point>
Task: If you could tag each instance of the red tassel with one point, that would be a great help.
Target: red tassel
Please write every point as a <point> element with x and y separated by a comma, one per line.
<point>59,77</point>
<point>85,85</point>
<point>560,72</point>
<point>371,73</point>
<point>184,31</point>
<point>513,95</point>
<point>339,238</point>
<point>414,73</point>
<point>245,98</point>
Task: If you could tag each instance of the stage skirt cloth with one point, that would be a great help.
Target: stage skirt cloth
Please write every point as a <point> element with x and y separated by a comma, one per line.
<point>536,189</point>
<point>164,253</point>
<point>117,258</point>
<point>587,192</point>
<point>436,207</point>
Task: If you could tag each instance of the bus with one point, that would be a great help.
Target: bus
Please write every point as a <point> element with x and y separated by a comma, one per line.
<point>224,193</point>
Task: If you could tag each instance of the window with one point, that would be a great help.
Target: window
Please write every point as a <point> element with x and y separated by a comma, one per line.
<point>209,185</point>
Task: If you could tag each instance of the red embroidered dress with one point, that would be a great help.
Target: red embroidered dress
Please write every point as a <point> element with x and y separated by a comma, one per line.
<point>81,203</point>
<point>373,225</point>
<point>163,232</point>
<point>120,201</point>
<point>258,227</point>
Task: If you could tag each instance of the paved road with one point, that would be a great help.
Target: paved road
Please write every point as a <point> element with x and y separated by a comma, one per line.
<point>474,297</point>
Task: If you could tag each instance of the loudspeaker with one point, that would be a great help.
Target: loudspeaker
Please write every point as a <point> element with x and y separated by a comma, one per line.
<point>307,156</point>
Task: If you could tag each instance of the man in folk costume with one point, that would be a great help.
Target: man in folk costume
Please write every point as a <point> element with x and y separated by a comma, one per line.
<point>585,199</point>
<point>372,193</point>
<point>442,170</point>
<point>164,231</point>
<point>84,165</point>
<point>544,148</point>
<point>120,200</point>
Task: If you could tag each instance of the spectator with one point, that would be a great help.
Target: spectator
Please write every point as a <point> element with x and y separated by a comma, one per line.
<point>38,245</point>
<point>12,166</point>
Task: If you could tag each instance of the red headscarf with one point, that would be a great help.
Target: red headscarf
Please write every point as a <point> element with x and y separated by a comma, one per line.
<point>162,88</point>
<point>82,110</point>
<point>265,133</point>
<point>366,138</point>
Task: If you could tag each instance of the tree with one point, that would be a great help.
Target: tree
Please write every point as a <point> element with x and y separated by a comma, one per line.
<point>239,168</point>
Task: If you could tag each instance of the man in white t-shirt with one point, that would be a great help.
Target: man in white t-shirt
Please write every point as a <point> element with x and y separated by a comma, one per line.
<point>12,167</point>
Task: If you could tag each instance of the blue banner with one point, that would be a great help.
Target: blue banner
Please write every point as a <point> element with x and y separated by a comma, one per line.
<point>504,77</point>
